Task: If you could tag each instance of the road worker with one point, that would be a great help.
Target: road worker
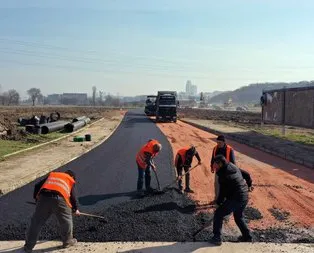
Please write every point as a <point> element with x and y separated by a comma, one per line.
<point>221,149</point>
<point>145,162</point>
<point>54,195</point>
<point>234,184</point>
<point>184,160</point>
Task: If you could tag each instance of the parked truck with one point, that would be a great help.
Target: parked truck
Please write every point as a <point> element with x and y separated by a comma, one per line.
<point>150,105</point>
<point>166,106</point>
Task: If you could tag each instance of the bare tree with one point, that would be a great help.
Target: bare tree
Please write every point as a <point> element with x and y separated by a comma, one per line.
<point>94,95</point>
<point>4,98</point>
<point>101,97</point>
<point>13,97</point>
<point>34,93</point>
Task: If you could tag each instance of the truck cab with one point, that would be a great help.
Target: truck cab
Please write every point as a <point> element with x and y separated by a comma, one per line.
<point>150,105</point>
<point>166,106</point>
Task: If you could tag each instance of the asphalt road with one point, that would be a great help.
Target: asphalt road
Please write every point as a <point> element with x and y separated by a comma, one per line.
<point>106,175</point>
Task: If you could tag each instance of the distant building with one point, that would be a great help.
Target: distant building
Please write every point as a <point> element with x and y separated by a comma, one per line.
<point>74,99</point>
<point>193,90</point>
<point>190,89</point>
<point>54,99</point>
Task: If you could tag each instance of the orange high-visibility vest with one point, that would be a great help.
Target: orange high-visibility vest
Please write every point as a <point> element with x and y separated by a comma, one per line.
<point>228,152</point>
<point>182,153</point>
<point>147,148</point>
<point>60,182</point>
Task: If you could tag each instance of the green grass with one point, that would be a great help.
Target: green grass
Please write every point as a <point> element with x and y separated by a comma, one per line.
<point>302,138</point>
<point>8,146</point>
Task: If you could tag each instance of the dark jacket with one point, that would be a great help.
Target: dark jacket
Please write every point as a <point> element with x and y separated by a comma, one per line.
<point>73,198</point>
<point>222,151</point>
<point>233,183</point>
<point>188,160</point>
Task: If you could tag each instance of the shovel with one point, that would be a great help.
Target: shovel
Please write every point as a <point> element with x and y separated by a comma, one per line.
<point>81,213</point>
<point>177,179</point>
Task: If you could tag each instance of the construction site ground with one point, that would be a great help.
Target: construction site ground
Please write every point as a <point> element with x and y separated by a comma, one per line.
<point>159,247</point>
<point>27,166</point>
<point>280,209</point>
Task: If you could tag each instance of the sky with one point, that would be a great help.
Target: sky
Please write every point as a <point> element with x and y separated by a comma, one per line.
<point>135,47</point>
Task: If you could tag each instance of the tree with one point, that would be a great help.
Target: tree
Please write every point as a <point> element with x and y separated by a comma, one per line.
<point>94,95</point>
<point>34,93</point>
<point>13,97</point>
<point>4,98</point>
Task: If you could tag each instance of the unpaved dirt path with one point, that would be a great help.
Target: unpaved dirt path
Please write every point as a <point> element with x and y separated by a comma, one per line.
<point>21,169</point>
<point>284,191</point>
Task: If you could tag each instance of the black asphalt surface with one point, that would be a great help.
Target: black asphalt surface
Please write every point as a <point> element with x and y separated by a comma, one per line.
<point>106,184</point>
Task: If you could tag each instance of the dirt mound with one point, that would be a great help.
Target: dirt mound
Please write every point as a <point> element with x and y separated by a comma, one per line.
<point>9,130</point>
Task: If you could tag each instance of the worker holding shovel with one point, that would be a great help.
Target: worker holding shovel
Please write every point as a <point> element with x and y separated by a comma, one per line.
<point>145,162</point>
<point>54,195</point>
<point>184,160</point>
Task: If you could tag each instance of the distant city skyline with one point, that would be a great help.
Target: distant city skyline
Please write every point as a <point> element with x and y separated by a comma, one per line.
<point>139,47</point>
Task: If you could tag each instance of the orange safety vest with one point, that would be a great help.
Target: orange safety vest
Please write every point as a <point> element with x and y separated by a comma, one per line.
<point>147,148</point>
<point>228,152</point>
<point>60,182</point>
<point>182,153</point>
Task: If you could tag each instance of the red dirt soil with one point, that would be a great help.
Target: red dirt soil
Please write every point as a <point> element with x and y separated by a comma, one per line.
<point>278,183</point>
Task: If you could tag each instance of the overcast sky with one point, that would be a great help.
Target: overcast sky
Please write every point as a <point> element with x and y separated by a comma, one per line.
<point>140,46</point>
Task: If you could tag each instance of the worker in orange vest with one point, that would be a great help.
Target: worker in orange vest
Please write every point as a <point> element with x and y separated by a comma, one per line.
<point>54,195</point>
<point>145,162</point>
<point>184,160</point>
<point>221,149</point>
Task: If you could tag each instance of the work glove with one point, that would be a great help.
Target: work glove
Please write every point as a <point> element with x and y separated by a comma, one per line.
<point>154,167</point>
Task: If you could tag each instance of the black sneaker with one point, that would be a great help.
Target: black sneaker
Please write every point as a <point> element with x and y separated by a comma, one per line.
<point>245,239</point>
<point>27,250</point>
<point>216,241</point>
<point>69,243</point>
<point>188,190</point>
<point>150,190</point>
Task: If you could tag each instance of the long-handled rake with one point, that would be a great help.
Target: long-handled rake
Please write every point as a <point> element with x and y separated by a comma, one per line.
<point>81,213</point>
<point>177,179</point>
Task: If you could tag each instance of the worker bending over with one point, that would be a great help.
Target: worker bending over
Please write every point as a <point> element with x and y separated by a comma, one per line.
<point>54,195</point>
<point>184,160</point>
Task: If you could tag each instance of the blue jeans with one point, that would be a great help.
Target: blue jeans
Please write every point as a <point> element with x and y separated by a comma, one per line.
<point>231,206</point>
<point>140,180</point>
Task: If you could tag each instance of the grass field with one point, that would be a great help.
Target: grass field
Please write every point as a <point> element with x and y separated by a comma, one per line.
<point>8,146</point>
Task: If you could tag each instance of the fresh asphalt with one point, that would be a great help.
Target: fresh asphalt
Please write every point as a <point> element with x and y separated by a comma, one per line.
<point>106,175</point>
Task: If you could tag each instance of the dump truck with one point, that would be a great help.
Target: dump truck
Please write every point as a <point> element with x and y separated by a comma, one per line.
<point>166,106</point>
<point>150,105</point>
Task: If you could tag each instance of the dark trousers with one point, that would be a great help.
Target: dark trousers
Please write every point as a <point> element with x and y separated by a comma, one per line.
<point>228,207</point>
<point>44,208</point>
<point>140,180</point>
<point>187,177</point>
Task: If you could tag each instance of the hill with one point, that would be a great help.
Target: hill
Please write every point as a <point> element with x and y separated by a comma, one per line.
<point>253,92</point>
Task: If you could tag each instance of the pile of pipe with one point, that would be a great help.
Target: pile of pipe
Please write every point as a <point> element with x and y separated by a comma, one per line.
<point>76,124</point>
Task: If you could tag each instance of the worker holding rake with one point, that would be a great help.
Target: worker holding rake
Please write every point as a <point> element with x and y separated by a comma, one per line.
<point>184,160</point>
<point>54,195</point>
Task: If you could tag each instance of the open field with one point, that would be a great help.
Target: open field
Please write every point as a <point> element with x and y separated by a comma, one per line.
<point>19,139</point>
<point>250,121</point>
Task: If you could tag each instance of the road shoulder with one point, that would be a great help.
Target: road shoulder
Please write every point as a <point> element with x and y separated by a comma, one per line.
<point>25,167</point>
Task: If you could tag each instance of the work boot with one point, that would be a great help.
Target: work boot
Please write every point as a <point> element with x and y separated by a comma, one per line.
<point>245,238</point>
<point>188,190</point>
<point>69,243</point>
<point>216,241</point>
<point>150,190</point>
<point>27,250</point>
